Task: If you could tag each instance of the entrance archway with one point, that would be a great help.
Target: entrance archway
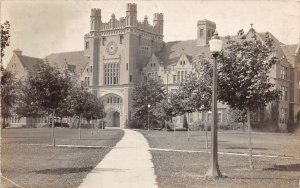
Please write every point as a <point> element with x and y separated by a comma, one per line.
<point>113,105</point>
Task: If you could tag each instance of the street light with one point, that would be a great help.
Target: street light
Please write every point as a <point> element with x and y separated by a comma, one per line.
<point>148,116</point>
<point>215,46</point>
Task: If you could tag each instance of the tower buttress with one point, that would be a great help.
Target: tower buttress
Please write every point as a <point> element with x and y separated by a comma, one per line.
<point>131,14</point>
<point>95,19</point>
<point>158,22</point>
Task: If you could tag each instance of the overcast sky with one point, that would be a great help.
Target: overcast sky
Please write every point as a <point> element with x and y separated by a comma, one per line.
<point>42,27</point>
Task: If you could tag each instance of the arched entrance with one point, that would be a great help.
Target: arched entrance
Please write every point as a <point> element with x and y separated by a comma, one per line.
<point>113,105</point>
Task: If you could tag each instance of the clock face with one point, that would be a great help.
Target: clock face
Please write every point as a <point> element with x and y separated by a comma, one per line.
<point>111,48</point>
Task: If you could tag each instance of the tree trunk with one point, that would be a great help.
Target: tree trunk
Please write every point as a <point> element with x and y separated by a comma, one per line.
<point>92,124</point>
<point>206,139</point>
<point>53,136</point>
<point>250,143</point>
<point>79,127</point>
<point>188,128</point>
<point>4,122</point>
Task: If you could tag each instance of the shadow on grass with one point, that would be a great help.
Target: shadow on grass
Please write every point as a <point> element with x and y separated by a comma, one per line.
<point>60,171</point>
<point>289,167</point>
<point>246,148</point>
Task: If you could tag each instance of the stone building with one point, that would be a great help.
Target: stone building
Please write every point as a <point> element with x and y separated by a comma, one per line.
<point>122,52</point>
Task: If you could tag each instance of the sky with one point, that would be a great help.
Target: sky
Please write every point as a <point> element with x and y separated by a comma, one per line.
<point>42,27</point>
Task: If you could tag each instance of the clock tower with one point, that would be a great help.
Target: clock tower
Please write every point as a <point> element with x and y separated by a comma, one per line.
<point>117,51</point>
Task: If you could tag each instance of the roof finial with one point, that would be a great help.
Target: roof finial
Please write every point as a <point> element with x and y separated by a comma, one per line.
<point>251,25</point>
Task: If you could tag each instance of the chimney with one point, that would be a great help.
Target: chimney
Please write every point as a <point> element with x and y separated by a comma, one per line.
<point>205,30</point>
<point>18,52</point>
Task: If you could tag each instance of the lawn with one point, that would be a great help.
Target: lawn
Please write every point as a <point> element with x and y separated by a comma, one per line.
<point>29,160</point>
<point>182,169</point>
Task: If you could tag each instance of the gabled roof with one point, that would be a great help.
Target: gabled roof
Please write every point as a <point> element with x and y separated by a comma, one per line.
<point>172,51</point>
<point>289,52</point>
<point>276,43</point>
<point>71,67</point>
<point>30,63</point>
<point>75,58</point>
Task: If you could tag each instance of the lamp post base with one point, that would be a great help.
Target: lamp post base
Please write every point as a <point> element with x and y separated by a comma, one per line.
<point>213,172</point>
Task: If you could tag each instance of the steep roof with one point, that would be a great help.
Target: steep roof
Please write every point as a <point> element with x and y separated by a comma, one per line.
<point>276,43</point>
<point>289,52</point>
<point>173,50</point>
<point>30,63</point>
<point>75,58</point>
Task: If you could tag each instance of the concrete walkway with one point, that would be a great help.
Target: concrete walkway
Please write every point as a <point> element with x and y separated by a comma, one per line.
<point>128,165</point>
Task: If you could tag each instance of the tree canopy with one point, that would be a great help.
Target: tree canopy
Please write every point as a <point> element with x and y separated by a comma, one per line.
<point>148,92</point>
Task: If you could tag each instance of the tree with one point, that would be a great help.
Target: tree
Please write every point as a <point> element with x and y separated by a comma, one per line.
<point>50,88</point>
<point>148,92</point>
<point>84,104</point>
<point>5,36</point>
<point>93,108</point>
<point>26,101</point>
<point>194,94</point>
<point>244,81</point>
<point>163,111</point>
<point>8,95</point>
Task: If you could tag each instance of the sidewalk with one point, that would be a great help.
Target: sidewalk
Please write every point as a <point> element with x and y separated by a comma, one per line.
<point>128,165</point>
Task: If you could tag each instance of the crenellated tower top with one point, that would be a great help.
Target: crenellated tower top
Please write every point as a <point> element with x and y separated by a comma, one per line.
<point>131,7</point>
<point>130,20</point>
<point>96,12</point>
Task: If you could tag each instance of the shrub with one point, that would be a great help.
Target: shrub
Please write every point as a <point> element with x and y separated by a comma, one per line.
<point>199,125</point>
<point>135,124</point>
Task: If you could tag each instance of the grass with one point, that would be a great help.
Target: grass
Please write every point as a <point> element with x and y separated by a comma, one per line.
<point>187,170</point>
<point>40,165</point>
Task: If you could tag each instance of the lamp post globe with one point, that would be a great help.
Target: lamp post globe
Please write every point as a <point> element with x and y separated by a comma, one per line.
<point>215,46</point>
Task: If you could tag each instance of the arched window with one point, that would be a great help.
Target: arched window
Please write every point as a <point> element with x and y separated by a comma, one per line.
<point>201,32</point>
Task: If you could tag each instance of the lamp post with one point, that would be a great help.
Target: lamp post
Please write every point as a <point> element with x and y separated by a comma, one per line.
<point>215,46</point>
<point>148,116</point>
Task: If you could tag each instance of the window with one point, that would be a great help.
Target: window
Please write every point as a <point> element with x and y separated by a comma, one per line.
<point>284,93</point>
<point>111,73</point>
<point>283,115</point>
<point>191,117</point>
<point>181,119</point>
<point>87,45</point>
<point>103,41</point>
<point>130,78</point>
<point>121,39</point>
<point>283,72</point>
<point>126,66</point>
<point>91,68</point>
<point>208,33</point>
<point>87,81</point>
<point>219,117</point>
<point>174,78</point>
<point>140,39</point>
<point>201,32</point>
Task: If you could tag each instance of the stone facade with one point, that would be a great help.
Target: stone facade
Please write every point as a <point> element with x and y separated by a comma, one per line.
<point>122,52</point>
<point>129,51</point>
<point>117,51</point>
